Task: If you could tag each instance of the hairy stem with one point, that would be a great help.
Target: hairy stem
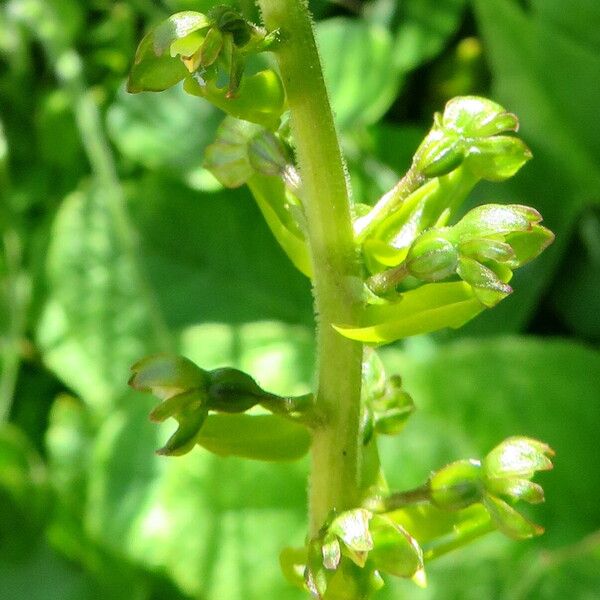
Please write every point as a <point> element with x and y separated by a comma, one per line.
<point>335,453</point>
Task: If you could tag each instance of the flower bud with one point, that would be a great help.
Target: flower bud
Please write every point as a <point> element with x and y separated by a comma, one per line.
<point>432,257</point>
<point>496,158</point>
<point>488,287</point>
<point>394,551</point>
<point>439,154</point>
<point>393,409</point>
<point>518,457</point>
<point>491,220</point>
<point>267,154</point>
<point>457,485</point>
<point>484,249</point>
<point>473,116</point>
<point>233,391</point>
<point>167,375</point>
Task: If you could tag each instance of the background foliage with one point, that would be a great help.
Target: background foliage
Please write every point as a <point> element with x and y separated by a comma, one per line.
<point>116,242</point>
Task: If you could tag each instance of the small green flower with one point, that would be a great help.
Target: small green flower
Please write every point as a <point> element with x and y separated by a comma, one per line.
<point>500,480</point>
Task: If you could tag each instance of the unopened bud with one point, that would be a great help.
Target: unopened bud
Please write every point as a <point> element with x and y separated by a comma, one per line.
<point>457,485</point>
<point>439,154</point>
<point>267,154</point>
<point>473,116</point>
<point>431,257</point>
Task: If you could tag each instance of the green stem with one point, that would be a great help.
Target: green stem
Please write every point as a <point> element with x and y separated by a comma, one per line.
<point>388,204</point>
<point>335,469</point>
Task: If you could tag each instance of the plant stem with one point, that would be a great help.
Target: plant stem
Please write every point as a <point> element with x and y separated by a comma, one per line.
<point>335,453</point>
<point>388,204</point>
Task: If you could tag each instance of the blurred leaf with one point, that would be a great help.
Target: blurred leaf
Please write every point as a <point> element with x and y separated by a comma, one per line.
<point>212,257</point>
<point>424,27</point>
<point>358,70</point>
<point>216,525</point>
<point>44,575</point>
<point>487,390</point>
<point>98,318</point>
<point>577,300</point>
<point>471,394</point>
<point>168,131</point>
<point>547,78</point>
<point>23,492</point>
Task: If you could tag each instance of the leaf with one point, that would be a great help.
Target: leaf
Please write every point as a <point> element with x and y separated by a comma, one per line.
<point>422,29</point>
<point>258,437</point>
<point>546,77</point>
<point>358,70</point>
<point>215,250</point>
<point>145,127</point>
<point>428,308</point>
<point>472,394</point>
<point>199,517</point>
<point>259,99</point>
<point>95,297</point>
<point>483,391</point>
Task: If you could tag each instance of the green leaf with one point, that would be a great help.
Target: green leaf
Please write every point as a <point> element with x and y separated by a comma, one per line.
<point>144,128</point>
<point>424,26</point>
<point>95,296</point>
<point>258,437</point>
<point>259,99</point>
<point>151,72</point>
<point>201,518</point>
<point>428,308</point>
<point>477,392</point>
<point>546,75</point>
<point>215,249</point>
<point>358,69</point>
<point>472,394</point>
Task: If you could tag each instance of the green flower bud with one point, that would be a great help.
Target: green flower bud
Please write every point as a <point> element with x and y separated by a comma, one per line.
<point>188,393</point>
<point>457,485</point>
<point>473,116</point>
<point>167,375</point>
<point>527,245</point>
<point>393,409</point>
<point>516,489</point>
<point>432,257</point>
<point>352,528</point>
<point>497,158</point>
<point>491,220</point>
<point>488,287</point>
<point>509,521</point>
<point>267,154</point>
<point>439,154</point>
<point>394,551</point>
<point>484,249</point>
<point>518,457</point>
<point>233,391</point>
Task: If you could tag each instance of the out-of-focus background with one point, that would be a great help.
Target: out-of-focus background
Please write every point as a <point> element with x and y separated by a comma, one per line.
<point>117,243</point>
